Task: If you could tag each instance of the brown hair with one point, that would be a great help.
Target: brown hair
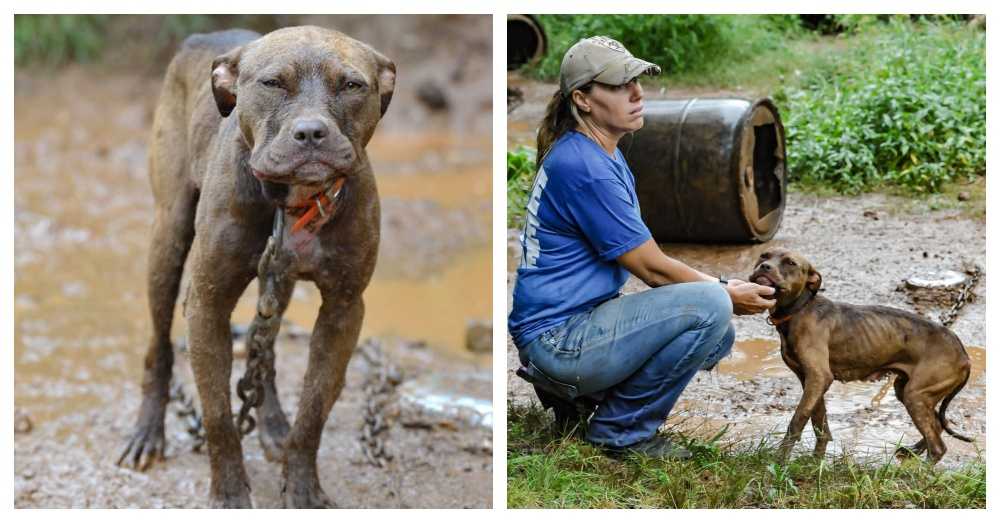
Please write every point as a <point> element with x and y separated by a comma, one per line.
<point>558,119</point>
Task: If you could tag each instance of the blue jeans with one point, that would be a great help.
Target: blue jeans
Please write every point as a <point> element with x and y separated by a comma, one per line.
<point>642,349</point>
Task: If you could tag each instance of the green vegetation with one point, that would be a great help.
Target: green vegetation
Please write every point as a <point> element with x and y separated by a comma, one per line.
<point>549,469</point>
<point>891,104</point>
<point>56,39</point>
<point>520,176</point>
<point>905,109</point>
<point>678,43</point>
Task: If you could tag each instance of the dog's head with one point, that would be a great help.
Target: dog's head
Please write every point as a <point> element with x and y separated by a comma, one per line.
<point>788,273</point>
<point>307,101</point>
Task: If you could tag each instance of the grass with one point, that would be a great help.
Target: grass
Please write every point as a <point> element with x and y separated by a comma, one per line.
<point>550,469</point>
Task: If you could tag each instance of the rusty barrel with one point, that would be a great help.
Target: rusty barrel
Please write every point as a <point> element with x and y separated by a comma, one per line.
<point>526,41</point>
<point>709,170</point>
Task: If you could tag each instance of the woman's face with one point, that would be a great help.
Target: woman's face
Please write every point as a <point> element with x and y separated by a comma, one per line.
<point>616,108</point>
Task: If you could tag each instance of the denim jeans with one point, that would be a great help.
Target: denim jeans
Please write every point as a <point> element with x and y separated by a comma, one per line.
<point>642,349</point>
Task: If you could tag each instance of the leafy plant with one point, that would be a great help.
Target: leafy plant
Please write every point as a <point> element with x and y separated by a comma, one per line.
<point>520,175</point>
<point>57,39</point>
<point>677,43</point>
<point>908,109</point>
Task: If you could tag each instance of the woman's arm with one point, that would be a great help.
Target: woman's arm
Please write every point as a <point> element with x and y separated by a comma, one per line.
<point>648,263</point>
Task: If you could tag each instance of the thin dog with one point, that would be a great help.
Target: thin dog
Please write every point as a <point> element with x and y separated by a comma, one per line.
<point>247,124</point>
<point>822,341</point>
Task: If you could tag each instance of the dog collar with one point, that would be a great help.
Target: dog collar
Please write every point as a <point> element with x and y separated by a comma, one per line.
<point>796,308</point>
<point>771,320</point>
<point>319,210</point>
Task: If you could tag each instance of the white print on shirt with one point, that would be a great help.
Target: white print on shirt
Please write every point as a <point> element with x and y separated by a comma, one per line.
<point>529,241</point>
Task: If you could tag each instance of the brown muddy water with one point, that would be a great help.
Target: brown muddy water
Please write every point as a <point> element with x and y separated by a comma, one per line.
<point>83,211</point>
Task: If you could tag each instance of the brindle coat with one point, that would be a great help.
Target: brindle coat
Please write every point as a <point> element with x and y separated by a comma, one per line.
<point>246,123</point>
<point>822,341</point>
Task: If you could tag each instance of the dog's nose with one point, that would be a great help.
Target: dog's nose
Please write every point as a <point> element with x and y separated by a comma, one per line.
<point>764,266</point>
<point>310,132</point>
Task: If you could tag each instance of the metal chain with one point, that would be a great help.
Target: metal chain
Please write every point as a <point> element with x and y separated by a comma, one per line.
<point>260,338</point>
<point>946,319</point>
<point>379,390</point>
<point>271,273</point>
<point>188,413</point>
<point>962,297</point>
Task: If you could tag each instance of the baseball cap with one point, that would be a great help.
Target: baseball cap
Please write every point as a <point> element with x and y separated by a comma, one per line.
<point>600,59</point>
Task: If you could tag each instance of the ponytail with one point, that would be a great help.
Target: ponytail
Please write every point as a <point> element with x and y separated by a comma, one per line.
<point>560,117</point>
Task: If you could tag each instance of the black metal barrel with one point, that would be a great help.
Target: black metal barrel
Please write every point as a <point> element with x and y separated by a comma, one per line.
<point>526,41</point>
<point>709,170</point>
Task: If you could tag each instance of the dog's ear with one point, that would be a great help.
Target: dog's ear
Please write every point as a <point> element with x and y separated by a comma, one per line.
<point>386,79</point>
<point>225,71</point>
<point>814,281</point>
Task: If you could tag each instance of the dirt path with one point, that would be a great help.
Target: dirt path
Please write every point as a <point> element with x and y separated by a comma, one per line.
<point>82,218</point>
<point>864,247</point>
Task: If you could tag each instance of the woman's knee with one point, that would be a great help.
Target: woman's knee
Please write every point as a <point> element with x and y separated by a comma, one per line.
<point>715,304</point>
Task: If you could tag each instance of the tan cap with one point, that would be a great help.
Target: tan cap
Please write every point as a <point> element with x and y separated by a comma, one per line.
<point>600,59</point>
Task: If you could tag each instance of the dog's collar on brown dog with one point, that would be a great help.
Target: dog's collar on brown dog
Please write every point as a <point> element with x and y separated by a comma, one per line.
<point>796,308</point>
<point>318,211</point>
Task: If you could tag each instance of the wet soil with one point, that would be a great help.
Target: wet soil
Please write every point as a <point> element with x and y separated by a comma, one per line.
<point>83,210</point>
<point>865,247</point>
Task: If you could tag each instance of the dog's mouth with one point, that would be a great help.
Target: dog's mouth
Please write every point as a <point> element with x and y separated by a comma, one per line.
<point>309,173</point>
<point>764,279</point>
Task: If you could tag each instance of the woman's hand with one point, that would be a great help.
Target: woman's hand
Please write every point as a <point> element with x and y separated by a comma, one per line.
<point>749,298</point>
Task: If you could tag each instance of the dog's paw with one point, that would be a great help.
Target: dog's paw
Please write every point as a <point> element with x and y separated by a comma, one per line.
<point>233,501</point>
<point>234,496</point>
<point>305,494</point>
<point>147,443</point>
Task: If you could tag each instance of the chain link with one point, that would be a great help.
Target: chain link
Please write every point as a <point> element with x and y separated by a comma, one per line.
<point>379,390</point>
<point>961,298</point>
<point>188,413</point>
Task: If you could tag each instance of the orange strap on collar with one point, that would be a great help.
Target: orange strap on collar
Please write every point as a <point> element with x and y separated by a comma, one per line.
<point>771,320</point>
<point>319,208</point>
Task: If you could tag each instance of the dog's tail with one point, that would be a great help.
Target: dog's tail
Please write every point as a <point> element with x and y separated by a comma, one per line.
<point>944,407</point>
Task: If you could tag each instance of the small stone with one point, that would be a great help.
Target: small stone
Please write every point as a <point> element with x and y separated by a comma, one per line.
<point>432,95</point>
<point>963,196</point>
<point>871,214</point>
<point>22,423</point>
<point>479,336</point>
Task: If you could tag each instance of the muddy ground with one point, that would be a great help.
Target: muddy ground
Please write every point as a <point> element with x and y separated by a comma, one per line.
<point>83,211</point>
<point>864,247</point>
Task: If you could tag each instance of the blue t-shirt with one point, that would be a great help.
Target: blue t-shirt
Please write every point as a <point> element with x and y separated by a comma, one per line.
<point>583,213</point>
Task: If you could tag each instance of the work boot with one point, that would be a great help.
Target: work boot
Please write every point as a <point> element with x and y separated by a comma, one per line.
<point>657,447</point>
<point>568,413</point>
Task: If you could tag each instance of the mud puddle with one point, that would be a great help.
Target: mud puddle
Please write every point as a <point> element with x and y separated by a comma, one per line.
<point>83,211</point>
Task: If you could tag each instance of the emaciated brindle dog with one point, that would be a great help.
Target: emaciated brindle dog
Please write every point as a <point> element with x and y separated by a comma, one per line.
<point>822,341</point>
<point>247,124</point>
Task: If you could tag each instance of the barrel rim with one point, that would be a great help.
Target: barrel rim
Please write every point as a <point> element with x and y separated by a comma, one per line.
<point>741,129</point>
<point>536,26</point>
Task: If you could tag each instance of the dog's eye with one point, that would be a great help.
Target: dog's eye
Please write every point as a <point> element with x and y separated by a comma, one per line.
<point>271,82</point>
<point>790,263</point>
<point>351,85</point>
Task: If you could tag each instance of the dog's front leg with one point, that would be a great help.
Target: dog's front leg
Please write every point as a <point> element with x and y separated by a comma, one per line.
<point>333,340</point>
<point>814,362</point>
<point>213,295</point>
